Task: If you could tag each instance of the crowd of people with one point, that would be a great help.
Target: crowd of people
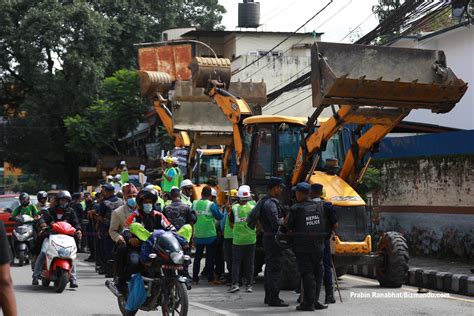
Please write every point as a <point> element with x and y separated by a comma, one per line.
<point>222,232</point>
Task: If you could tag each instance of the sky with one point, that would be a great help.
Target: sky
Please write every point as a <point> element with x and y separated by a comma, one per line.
<point>336,21</point>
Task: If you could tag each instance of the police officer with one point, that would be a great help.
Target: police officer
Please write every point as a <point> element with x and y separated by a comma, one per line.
<point>271,218</point>
<point>307,225</point>
<point>316,195</point>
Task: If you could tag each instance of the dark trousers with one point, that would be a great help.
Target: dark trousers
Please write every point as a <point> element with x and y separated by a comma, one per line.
<point>210,258</point>
<point>273,267</point>
<point>310,265</point>
<point>99,249</point>
<point>127,262</point>
<point>108,248</point>
<point>84,236</point>
<point>90,236</point>
<point>327,262</point>
<point>243,256</point>
<point>219,257</point>
<point>228,256</point>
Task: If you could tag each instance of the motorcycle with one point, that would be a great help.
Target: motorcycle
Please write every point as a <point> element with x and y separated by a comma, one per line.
<point>23,238</point>
<point>61,251</point>
<point>165,288</point>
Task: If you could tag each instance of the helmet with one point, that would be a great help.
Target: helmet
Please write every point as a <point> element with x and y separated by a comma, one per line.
<point>147,194</point>
<point>244,192</point>
<point>213,192</point>
<point>123,163</point>
<point>24,199</point>
<point>157,188</point>
<point>168,159</point>
<point>233,193</point>
<point>42,195</point>
<point>64,195</point>
<point>186,183</point>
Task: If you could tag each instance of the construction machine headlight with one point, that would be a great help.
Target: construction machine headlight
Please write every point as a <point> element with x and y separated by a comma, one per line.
<point>346,198</point>
<point>177,257</point>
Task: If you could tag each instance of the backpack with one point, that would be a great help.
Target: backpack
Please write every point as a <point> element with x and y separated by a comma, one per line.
<point>253,218</point>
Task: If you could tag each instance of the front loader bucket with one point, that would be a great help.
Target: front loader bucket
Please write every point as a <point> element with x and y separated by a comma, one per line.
<point>195,111</point>
<point>204,69</point>
<point>153,82</point>
<point>404,78</point>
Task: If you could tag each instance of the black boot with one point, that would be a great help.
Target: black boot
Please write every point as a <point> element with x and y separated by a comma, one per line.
<point>318,305</point>
<point>274,300</point>
<point>329,295</point>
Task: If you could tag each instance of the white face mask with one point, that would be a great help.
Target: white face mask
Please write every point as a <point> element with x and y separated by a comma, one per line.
<point>147,208</point>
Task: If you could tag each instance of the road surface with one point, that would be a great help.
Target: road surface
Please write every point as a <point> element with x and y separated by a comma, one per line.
<point>360,297</point>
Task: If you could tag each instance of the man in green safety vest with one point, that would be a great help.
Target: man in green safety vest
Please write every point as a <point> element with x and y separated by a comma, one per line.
<point>228,234</point>
<point>205,234</point>
<point>187,192</point>
<point>170,176</point>
<point>244,240</point>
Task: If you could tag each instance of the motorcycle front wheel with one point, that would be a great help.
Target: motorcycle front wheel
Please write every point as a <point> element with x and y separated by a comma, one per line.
<point>177,302</point>
<point>61,281</point>
<point>21,258</point>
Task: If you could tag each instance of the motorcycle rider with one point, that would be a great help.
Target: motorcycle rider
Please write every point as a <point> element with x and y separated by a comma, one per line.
<point>61,212</point>
<point>151,220</point>
<point>42,204</point>
<point>25,207</point>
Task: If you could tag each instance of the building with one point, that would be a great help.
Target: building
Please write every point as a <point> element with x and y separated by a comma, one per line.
<point>251,61</point>
<point>457,42</point>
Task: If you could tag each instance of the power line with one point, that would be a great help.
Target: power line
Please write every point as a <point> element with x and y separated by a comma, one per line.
<point>292,105</point>
<point>285,39</point>
<point>274,105</point>
<point>353,30</point>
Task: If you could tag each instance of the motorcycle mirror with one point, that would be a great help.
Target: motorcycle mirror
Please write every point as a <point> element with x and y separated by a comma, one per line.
<point>152,255</point>
<point>9,210</point>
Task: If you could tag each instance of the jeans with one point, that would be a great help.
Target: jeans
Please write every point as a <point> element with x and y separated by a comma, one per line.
<point>210,259</point>
<point>39,264</point>
<point>243,254</point>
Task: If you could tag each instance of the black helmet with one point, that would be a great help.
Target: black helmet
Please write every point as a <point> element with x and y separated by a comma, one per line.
<point>24,199</point>
<point>42,195</point>
<point>64,195</point>
<point>147,194</point>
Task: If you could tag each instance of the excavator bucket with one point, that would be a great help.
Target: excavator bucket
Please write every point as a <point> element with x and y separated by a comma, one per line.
<point>204,69</point>
<point>152,82</point>
<point>403,78</point>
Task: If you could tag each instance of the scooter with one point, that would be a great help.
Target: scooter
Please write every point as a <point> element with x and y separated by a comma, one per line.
<point>61,251</point>
<point>23,238</point>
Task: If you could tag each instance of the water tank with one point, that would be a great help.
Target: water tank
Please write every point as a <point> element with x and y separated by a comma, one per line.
<point>249,14</point>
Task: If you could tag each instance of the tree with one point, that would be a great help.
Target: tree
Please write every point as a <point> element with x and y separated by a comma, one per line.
<point>114,115</point>
<point>57,52</point>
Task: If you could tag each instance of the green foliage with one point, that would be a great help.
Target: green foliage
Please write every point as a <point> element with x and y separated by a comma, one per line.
<point>372,182</point>
<point>117,112</point>
<point>382,11</point>
<point>57,53</point>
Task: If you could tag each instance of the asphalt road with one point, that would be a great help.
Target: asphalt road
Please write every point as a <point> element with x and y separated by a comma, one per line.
<point>360,297</point>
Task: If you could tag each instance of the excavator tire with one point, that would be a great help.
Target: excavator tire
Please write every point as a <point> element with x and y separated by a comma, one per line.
<point>395,250</point>
<point>290,276</point>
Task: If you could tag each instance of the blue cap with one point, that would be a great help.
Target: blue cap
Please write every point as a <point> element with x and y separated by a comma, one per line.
<point>275,181</point>
<point>108,187</point>
<point>317,187</point>
<point>303,187</point>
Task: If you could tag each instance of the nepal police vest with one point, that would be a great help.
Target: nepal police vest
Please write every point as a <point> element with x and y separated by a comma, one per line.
<point>311,226</point>
<point>206,224</point>
<point>243,234</point>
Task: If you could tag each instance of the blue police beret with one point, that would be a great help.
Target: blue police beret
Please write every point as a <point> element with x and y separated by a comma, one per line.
<point>316,187</point>
<point>303,187</point>
<point>275,181</point>
<point>108,187</point>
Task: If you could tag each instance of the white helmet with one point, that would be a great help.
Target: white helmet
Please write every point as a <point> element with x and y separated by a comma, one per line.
<point>122,163</point>
<point>244,192</point>
<point>213,192</point>
<point>186,183</point>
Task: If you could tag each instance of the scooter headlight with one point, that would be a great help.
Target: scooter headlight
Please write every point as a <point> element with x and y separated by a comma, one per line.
<point>177,257</point>
<point>63,252</point>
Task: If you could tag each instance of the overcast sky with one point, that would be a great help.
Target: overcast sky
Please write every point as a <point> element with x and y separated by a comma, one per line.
<point>336,21</point>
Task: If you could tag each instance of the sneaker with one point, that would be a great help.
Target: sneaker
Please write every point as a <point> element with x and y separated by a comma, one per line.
<point>35,281</point>
<point>249,289</point>
<point>234,288</point>
<point>73,284</point>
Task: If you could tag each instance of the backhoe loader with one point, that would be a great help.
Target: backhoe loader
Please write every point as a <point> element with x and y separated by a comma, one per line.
<point>370,89</point>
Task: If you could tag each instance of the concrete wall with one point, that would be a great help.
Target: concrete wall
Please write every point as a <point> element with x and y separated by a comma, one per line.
<point>458,46</point>
<point>431,201</point>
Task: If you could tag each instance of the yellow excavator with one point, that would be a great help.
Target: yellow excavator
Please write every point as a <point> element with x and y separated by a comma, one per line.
<point>369,89</point>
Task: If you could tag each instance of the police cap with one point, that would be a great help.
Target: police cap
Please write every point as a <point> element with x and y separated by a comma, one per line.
<point>275,181</point>
<point>303,187</point>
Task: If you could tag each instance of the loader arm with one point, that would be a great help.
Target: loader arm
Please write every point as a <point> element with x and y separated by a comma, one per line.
<point>375,87</point>
<point>181,139</point>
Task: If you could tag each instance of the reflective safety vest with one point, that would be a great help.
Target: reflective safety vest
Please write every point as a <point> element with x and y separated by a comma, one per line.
<point>228,231</point>
<point>161,202</point>
<point>243,235</point>
<point>186,200</point>
<point>205,226</point>
<point>174,181</point>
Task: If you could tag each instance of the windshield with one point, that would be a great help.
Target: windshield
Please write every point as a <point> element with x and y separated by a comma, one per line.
<point>209,167</point>
<point>333,151</point>
<point>288,145</point>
